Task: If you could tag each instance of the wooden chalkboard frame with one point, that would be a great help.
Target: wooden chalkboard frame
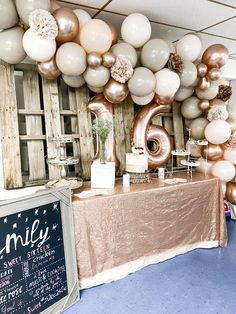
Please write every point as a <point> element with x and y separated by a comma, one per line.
<point>63,195</point>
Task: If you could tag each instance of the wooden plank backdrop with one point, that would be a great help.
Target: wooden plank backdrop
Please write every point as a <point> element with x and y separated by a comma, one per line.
<point>52,109</point>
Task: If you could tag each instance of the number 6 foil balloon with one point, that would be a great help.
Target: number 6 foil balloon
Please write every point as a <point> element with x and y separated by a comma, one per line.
<point>102,108</point>
<point>144,131</point>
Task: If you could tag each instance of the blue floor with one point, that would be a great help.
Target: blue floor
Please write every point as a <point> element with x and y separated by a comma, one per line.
<point>202,281</point>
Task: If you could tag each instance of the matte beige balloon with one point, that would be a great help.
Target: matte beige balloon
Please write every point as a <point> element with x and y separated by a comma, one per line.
<point>212,152</point>
<point>94,59</point>
<point>188,75</point>
<point>209,93</point>
<point>190,108</point>
<point>184,93</point>
<point>25,7</point>
<point>231,192</point>
<point>9,16</point>
<point>215,56</point>
<point>142,83</point>
<point>74,81</point>
<point>48,69</point>
<point>197,127</point>
<point>68,25</point>
<point>11,47</point>
<point>115,92</point>
<point>97,77</point>
<point>108,59</point>
<point>213,74</point>
<point>126,51</point>
<point>201,69</point>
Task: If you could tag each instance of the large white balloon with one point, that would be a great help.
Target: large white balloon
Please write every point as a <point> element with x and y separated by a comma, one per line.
<point>167,83</point>
<point>189,74</point>
<point>9,15</point>
<point>230,155</point>
<point>96,36</point>
<point>217,131</point>
<point>71,59</point>
<point>142,83</point>
<point>136,29</point>
<point>74,81</point>
<point>25,7</point>
<point>82,16</point>
<point>224,170</point>
<point>126,51</point>
<point>184,93</point>
<point>97,77</point>
<point>143,100</point>
<point>189,47</point>
<point>38,48</point>
<point>190,108</point>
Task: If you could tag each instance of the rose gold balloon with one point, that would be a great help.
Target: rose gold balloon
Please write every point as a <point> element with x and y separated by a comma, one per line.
<point>94,59</point>
<point>54,6</point>
<point>204,104</point>
<point>215,56</point>
<point>204,83</point>
<point>201,69</point>
<point>213,74</point>
<point>232,124</point>
<point>231,192</point>
<point>115,92</point>
<point>163,100</point>
<point>105,110</point>
<point>48,69</point>
<point>114,33</point>
<point>108,59</point>
<point>144,132</point>
<point>212,152</point>
<point>217,102</point>
<point>68,25</point>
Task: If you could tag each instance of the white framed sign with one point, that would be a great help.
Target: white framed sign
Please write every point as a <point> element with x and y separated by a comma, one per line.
<point>38,269</point>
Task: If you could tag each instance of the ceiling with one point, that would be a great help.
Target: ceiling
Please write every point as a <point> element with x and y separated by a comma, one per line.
<point>213,20</point>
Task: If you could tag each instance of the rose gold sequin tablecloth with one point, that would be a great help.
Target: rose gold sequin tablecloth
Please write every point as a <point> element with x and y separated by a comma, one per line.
<point>145,224</point>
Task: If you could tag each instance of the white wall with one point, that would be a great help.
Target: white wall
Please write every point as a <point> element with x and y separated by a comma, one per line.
<point>229,72</point>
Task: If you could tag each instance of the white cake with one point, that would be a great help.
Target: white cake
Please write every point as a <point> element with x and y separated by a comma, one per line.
<point>137,161</point>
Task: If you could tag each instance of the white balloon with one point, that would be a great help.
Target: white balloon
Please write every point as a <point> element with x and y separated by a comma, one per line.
<point>217,131</point>
<point>188,75</point>
<point>136,29</point>
<point>96,89</point>
<point>205,166</point>
<point>184,93</point>
<point>190,108</point>
<point>230,155</point>
<point>143,100</point>
<point>74,81</point>
<point>126,51</point>
<point>37,48</point>
<point>189,47</point>
<point>82,16</point>
<point>167,83</point>
<point>97,77</point>
<point>224,170</point>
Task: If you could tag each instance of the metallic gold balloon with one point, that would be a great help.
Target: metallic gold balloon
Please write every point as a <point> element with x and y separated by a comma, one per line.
<point>212,152</point>
<point>114,33</point>
<point>94,59</point>
<point>204,104</point>
<point>201,69</point>
<point>213,74</point>
<point>215,56</point>
<point>163,100</point>
<point>143,132</point>
<point>54,6</point>
<point>115,92</point>
<point>108,59</point>
<point>48,69</point>
<point>231,192</point>
<point>204,84</point>
<point>68,25</point>
<point>232,124</point>
<point>105,110</point>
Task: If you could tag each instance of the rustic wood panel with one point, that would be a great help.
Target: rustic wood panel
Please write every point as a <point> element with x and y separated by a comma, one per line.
<point>9,129</point>
<point>36,160</point>
<point>178,129</point>
<point>120,137</point>
<point>85,130</point>
<point>128,116</point>
<point>52,122</point>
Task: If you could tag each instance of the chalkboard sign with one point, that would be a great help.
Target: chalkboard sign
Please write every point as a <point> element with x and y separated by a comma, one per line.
<point>38,272</point>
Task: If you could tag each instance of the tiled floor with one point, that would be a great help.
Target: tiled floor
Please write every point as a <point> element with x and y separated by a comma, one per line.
<point>200,282</point>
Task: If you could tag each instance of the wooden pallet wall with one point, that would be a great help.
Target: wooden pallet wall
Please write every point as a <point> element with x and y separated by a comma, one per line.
<point>50,109</point>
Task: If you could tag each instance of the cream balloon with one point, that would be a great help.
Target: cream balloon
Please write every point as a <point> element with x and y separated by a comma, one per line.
<point>189,47</point>
<point>190,108</point>
<point>224,170</point>
<point>209,93</point>
<point>197,127</point>
<point>96,89</point>
<point>126,51</point>
<point>38,48</point>
<point>230,155</point>
<point>136,29</point>
<point>167,83</point>
<point>74,81</point>
<point>205,166</point>
<point>217,132</point>
<point>188,75</point>
<point>25,7</point>
<point>9,16</point>
<point>95,36</point>
<point>155,54</point>
<point>11,47</point>
<point>82,16</point>
<point>142,83</point>
<point>141,101</point>
<point>184,93</point>
<point>97,77</point>
<point>71,59</point>
<point>194,149</point>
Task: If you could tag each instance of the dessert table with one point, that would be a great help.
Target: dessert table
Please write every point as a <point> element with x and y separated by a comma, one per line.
<point>144,224</point>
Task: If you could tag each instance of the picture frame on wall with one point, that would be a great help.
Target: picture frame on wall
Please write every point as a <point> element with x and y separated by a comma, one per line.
<point>38,269</point>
